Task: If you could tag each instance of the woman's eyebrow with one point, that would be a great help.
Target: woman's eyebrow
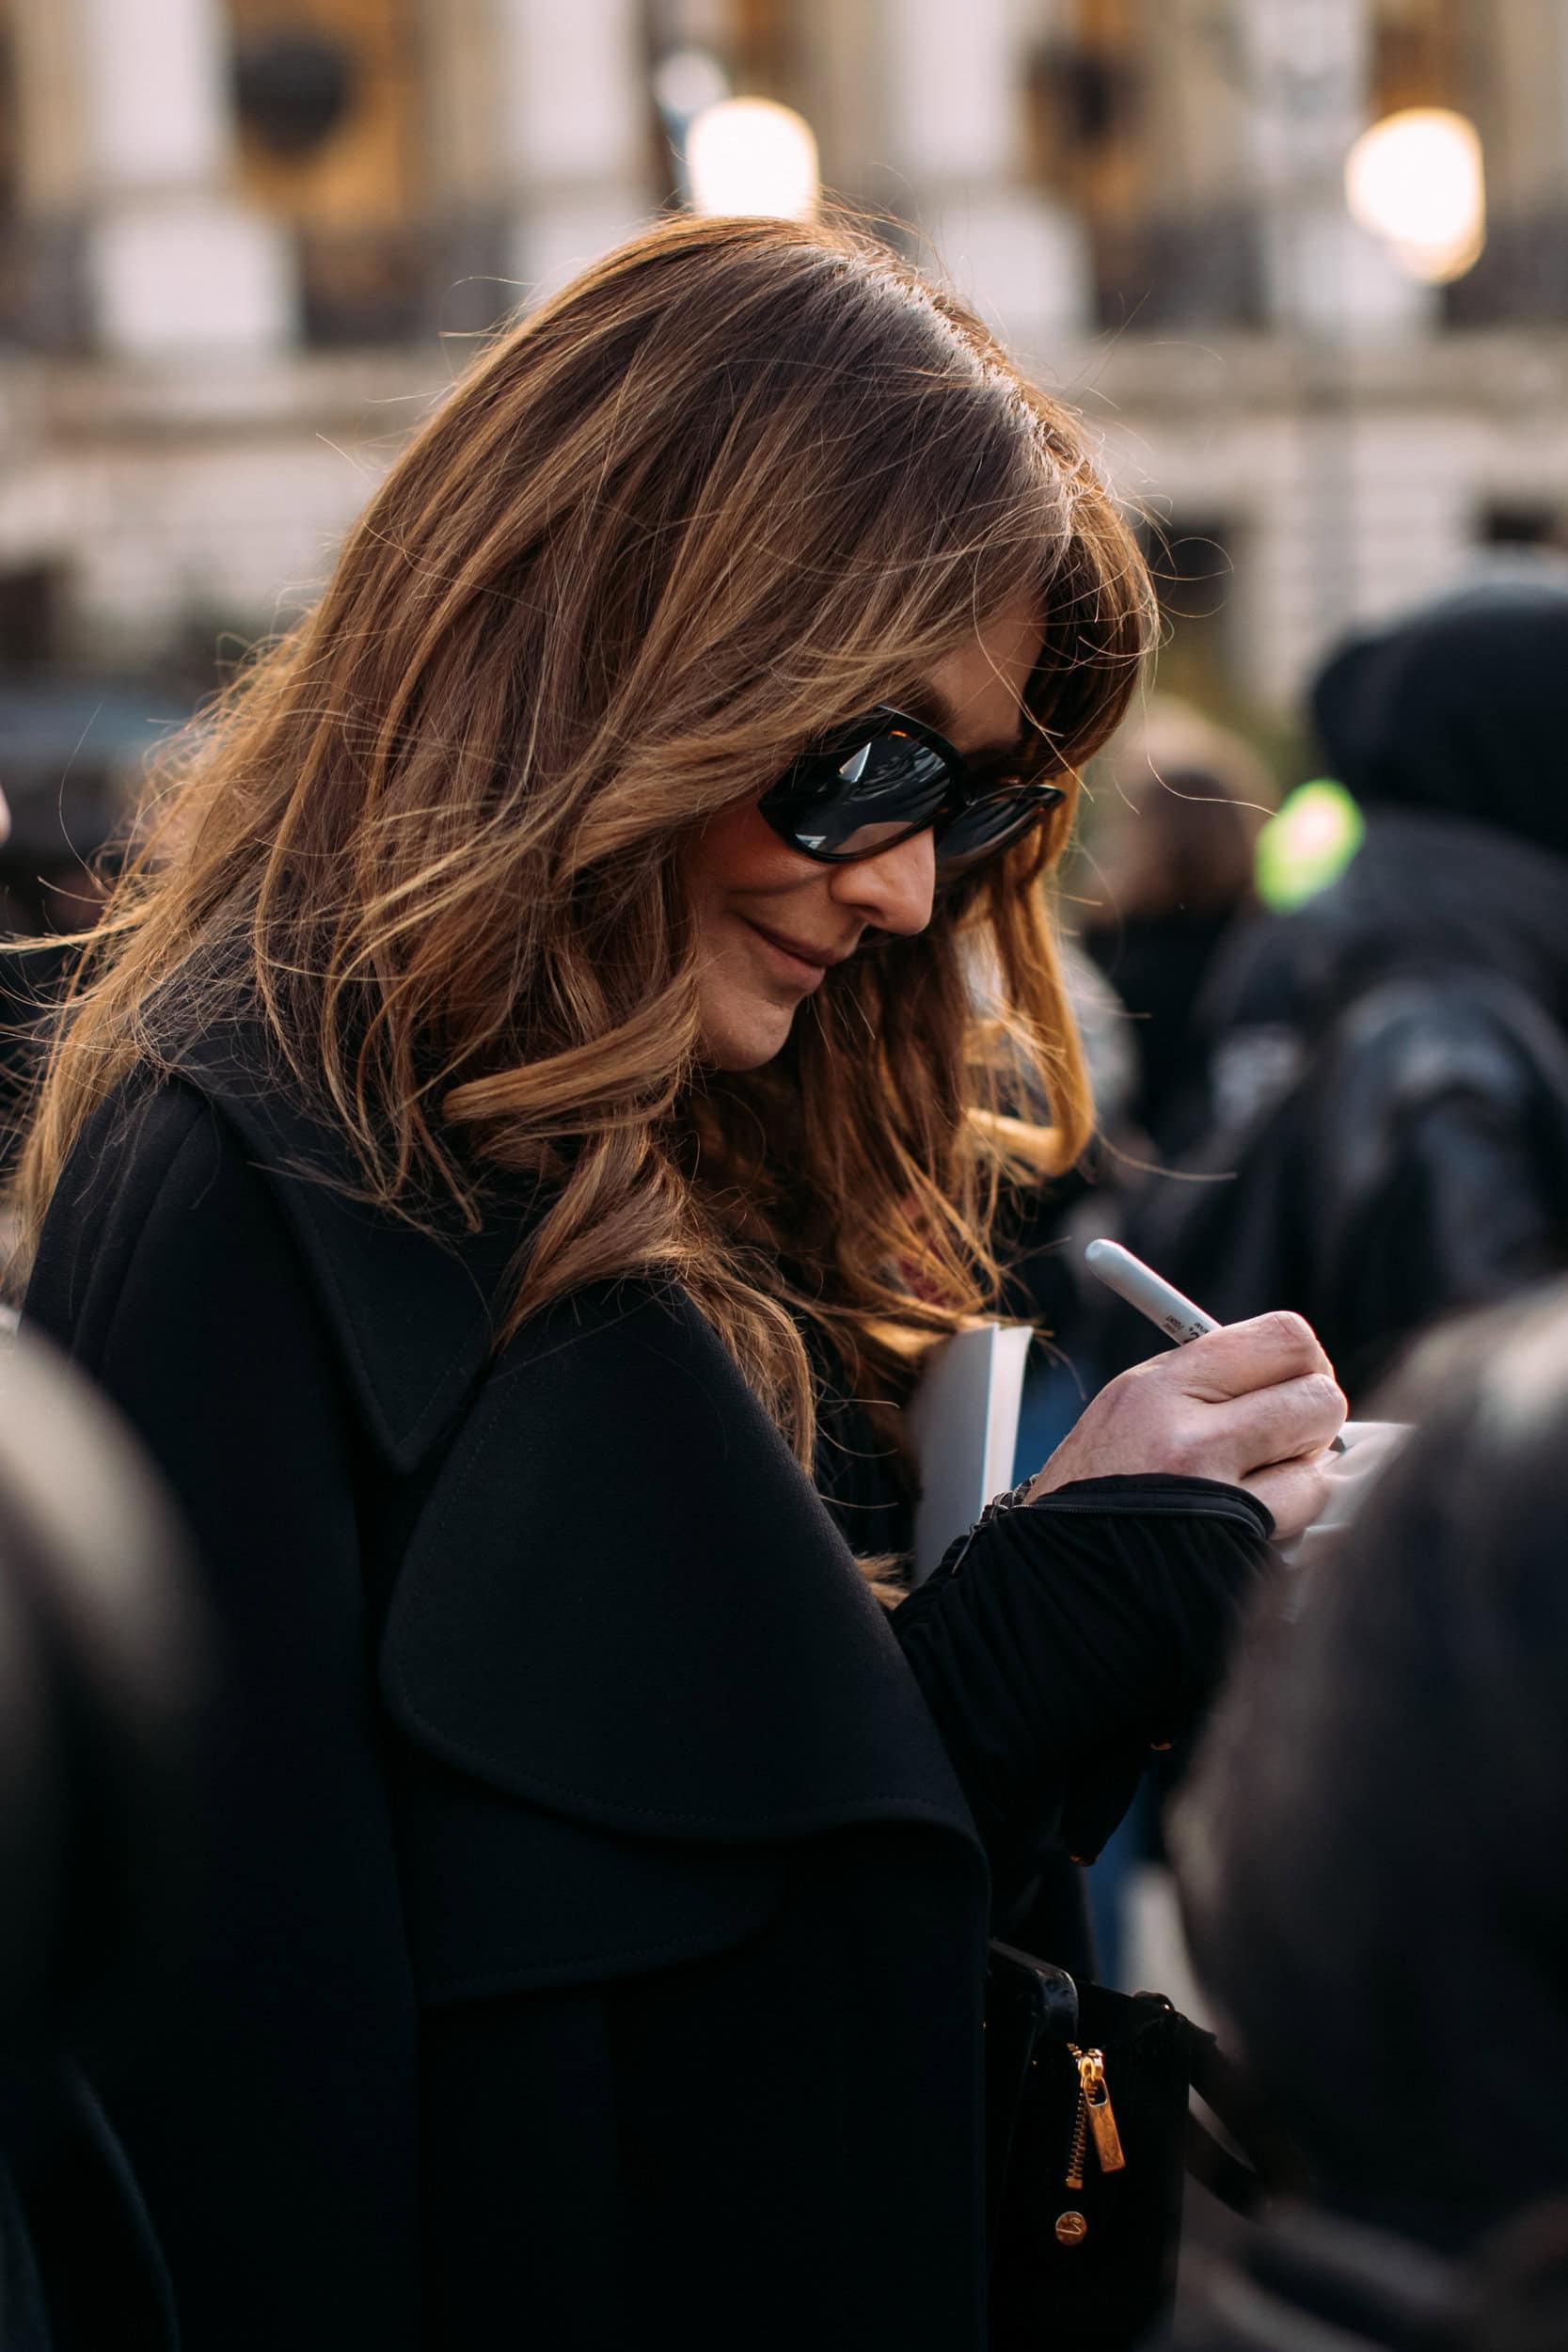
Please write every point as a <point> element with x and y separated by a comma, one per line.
<point>929,703</point>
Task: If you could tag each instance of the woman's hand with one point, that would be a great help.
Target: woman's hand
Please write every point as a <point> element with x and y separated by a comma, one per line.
<point>1255,1405</point>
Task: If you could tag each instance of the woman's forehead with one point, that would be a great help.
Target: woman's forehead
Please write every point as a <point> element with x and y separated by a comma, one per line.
<point>977,693</point>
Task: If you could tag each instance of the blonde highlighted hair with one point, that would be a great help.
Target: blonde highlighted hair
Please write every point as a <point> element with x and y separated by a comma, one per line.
<point>740,480</point>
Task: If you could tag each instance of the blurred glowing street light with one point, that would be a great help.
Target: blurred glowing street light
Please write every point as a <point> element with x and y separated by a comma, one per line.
<point>686,81</point>
<point>1416,180</point>
<point>748,155</point>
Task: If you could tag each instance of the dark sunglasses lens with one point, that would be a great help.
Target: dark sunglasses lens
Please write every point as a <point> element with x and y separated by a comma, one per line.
<point>989,825</point>
<point>859,796</point>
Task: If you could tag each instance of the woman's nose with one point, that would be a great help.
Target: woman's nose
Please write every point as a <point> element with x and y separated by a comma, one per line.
<point>892,892</point>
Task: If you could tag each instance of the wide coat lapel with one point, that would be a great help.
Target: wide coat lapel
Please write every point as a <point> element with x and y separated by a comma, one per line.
<point>622,1602</point>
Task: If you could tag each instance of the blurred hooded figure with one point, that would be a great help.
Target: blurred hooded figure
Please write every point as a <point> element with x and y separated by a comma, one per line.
<point>1369,1856</point>
<point>1390,1060</point>
<point>1173,846</point>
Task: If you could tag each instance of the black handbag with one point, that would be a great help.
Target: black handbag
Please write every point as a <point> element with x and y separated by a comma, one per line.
<point>1090,2137</point>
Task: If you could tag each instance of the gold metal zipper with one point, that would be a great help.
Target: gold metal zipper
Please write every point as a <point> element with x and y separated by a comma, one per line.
<point>1095,2094</point>
<point>1079,2134</point>
<point>1096,2115</point>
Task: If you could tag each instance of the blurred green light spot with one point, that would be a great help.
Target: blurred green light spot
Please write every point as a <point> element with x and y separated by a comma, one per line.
<point>1307,844</point>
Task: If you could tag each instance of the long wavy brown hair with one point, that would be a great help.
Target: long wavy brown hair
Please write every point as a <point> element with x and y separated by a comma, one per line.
<point>739,481</point>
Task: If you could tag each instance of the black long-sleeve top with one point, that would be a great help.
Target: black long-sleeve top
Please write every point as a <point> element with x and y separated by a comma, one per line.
<point>1069,1635</point>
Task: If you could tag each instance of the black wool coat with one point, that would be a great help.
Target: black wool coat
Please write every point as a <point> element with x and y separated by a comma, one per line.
<point>597,1880</point>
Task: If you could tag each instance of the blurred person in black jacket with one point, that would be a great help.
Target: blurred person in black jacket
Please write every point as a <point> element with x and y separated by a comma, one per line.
<point>1371,1859</point>
<point>1389,1136</point>
<point>551,989</point>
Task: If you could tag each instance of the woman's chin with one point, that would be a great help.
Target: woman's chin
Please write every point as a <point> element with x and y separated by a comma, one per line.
<point>745,1034</point>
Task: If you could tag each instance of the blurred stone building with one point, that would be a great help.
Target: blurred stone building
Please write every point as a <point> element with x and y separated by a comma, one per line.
<point>242,244</point>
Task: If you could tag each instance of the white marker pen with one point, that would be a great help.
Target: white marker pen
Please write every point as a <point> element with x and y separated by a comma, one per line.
<point>1118,1269</point>
<point>1154,1296</point>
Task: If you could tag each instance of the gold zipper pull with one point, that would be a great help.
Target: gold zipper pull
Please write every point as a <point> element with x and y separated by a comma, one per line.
<point>1095,2094</point>
<point>1079,2134</point>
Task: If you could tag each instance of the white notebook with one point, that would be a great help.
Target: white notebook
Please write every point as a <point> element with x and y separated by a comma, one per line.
<point>963,1418</point>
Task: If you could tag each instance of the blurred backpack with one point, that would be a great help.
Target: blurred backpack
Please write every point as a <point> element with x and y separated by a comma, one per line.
<point>1406,1157</point>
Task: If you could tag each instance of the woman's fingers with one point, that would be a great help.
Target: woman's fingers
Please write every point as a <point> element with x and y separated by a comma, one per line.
<point>1238,1400</point>
<point>1243,1357</point>
<point>1298,1419</point>
<point>1294,1492</point>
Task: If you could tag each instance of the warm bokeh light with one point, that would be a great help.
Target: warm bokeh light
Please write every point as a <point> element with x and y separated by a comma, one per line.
<point>749,156</point>
<point>1416,180</point>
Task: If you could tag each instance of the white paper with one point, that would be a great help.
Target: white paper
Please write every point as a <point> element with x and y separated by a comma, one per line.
<point>963,1418</point>
<point>1369,1447</point>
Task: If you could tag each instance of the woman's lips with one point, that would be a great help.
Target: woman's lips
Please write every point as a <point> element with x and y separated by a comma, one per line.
<point>801,964</point>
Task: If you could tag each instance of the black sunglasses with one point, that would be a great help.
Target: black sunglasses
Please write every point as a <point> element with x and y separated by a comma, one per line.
<point>885,777</point>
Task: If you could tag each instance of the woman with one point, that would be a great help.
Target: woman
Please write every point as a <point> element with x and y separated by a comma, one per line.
<point>1370,1861</point>
<point>540,1028</point>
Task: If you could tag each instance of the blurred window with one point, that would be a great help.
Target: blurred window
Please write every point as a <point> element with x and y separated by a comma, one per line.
<point>1522,277</point>
<point>763,35</point>
<point>8,158</point>
<point>1194,567</point>
<point>43,304</point>
<point>328,106</point>
<point>1136,119</point>
<point>1506,524</point>
<point>1507,67</point>
<point>12,275</point>
<point>32,600</point>
<point>1421,56</point>
<point>758,43</point>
